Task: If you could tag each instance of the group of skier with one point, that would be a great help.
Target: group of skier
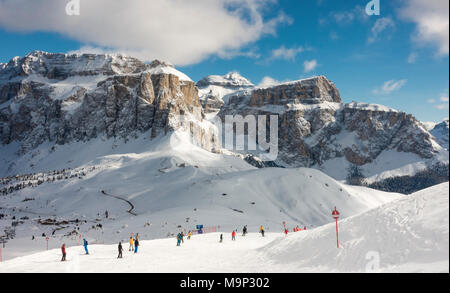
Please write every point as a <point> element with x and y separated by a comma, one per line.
<point>134,244</point>
<point>64,252</point>
<point>244,232</point>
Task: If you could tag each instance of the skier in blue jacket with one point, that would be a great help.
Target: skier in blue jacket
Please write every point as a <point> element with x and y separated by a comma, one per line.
<point>136,245</point>
<point>85,244</point>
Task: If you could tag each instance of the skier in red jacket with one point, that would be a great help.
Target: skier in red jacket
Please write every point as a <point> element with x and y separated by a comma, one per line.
<point>63,250</point>
<point>233,235</point>
<point>286,231</point>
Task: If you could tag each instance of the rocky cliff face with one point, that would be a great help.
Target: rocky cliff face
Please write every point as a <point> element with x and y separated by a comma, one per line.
<point>63,98</point>
<point>316,128</point>
<point>441,133</point>
<point>213,88</point>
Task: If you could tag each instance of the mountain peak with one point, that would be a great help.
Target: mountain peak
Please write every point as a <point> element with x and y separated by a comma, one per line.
<point>229,80</point>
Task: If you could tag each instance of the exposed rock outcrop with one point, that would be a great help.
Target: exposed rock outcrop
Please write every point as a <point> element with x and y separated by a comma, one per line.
<point>315,127</point>
<point>441,133</point>
<point>47,97</point>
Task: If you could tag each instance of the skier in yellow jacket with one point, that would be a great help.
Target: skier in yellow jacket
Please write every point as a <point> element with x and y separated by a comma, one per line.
<point>131,244</point>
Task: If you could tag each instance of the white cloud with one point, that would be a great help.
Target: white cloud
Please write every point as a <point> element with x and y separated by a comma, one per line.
<point>412,58</point>
<point>390,86</point>
<point>334,36</point>
<point>286,53</point>
<point>268,81</point>
<point>310,65</point>
<point>347,17</point>
<point>432,22</point>
<point>443,102</point>
<point>179,31</point>
<point>442,106</point>
<point>343,17</point>
<point>380,25</point>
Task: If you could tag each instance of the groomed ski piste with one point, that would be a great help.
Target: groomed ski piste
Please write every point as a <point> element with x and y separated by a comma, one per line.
<point>174,186</point>
<point>407,235</point>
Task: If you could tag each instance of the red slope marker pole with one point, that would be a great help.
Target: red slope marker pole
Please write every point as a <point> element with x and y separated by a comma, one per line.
<point>335,214</point>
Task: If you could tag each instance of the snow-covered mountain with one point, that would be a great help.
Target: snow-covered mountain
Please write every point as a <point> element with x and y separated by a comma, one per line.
<point>64,98</point>
<point>441,133</point>
<point>318,130</point>
<point>408,235</point>
<point>60,98</point>
<point>213,88</point>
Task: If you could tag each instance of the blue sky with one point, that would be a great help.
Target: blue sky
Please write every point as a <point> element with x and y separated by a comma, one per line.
<point>395,59</point>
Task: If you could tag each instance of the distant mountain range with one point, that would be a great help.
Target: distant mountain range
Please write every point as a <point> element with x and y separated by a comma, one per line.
<point>59,99</point>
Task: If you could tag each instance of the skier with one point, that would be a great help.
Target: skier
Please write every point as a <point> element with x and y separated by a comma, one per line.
<point>244,230</point>
<point>120,250</point>
<point>262,232</point>
<point>106,214</point>
<point>189,235</point>
<point>221,238</point>
<point>304,228</point>
<point>182,237</point>
<point>63,250</point>
<point>286,231</point>
<point>136,244</point>
<point>233,235</point>
<point>85,244</point>
<point>131,244</point>
<point>178,239</point>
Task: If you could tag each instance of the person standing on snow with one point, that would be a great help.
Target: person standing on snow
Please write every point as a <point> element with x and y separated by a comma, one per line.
<point>244,230</point>
<point>85,244</point>
<point>189,235</point>
<point>63,250</point>
<point>120,250</point>
<point>262,232</point>
<point>221,238</point>
<point>178,239</point>
<point>286,231</point>
<point>182,237</point>
<point>233,235</point>
<point>131,244</point>
<point>106,214</point>
<point>136,245</point>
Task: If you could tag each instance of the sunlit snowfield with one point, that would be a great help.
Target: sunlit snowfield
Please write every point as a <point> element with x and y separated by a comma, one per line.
<point>408,235</point>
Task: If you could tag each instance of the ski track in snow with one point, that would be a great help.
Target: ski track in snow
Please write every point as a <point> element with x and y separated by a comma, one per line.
<point>130,211</point>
